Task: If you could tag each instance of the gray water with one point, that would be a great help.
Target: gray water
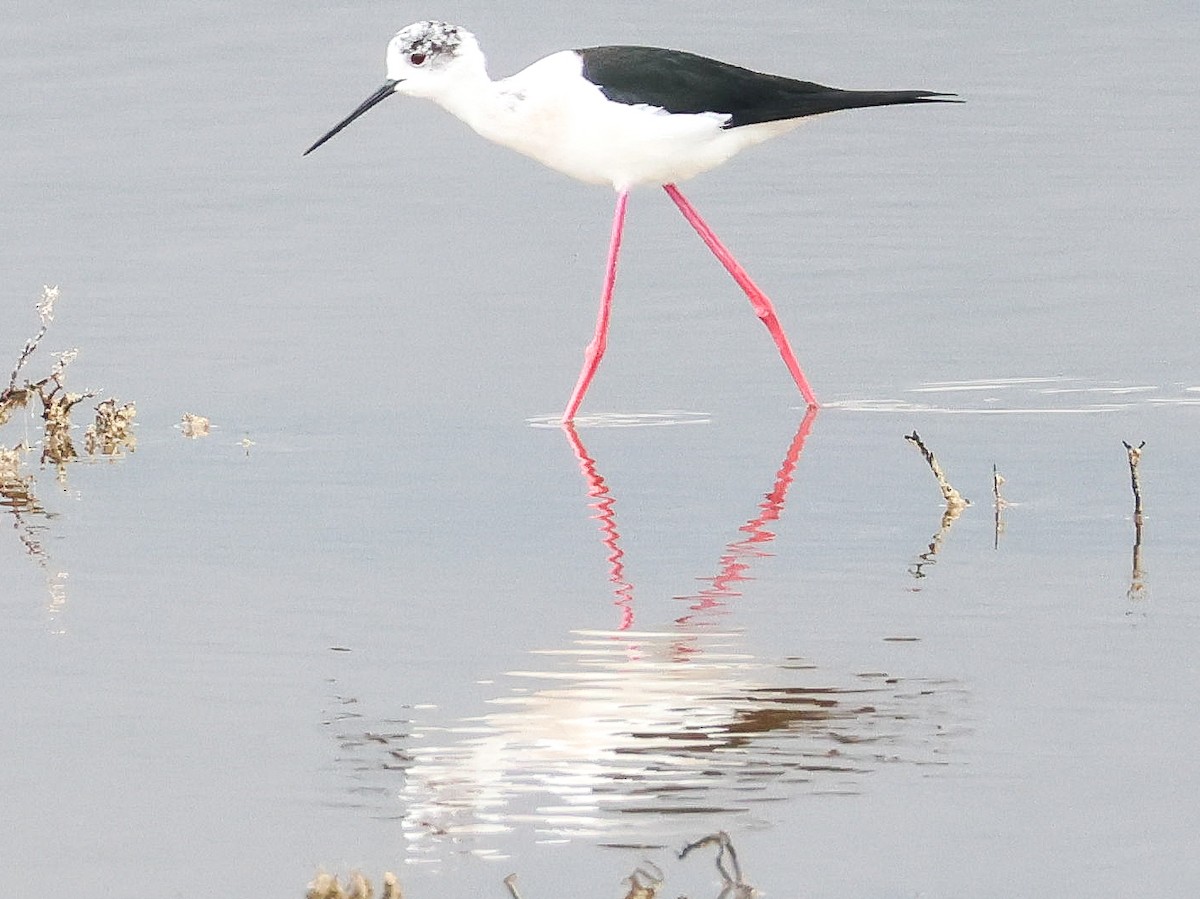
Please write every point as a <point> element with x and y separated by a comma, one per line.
<point>407,626</point>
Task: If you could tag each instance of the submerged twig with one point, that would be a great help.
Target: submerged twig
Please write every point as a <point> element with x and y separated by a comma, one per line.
<point>1000,505</point>
<point>644,884</point>
<point>1135,458</point>
<point>511,882</point>
<point>955,503</point>
<point>949,516</point>
<point>735,887</point>
<point>1137,583</point>
<point>952,497</point>
<point>647,878</point>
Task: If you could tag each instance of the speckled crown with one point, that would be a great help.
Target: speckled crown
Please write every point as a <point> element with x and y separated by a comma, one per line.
<point>432,38</point>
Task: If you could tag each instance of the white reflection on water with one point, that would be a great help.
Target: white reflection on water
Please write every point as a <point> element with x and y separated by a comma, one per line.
<point>619,735</point>
<point>645,737</point>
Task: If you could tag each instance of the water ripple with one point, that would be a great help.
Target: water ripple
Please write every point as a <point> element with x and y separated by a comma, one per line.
<point>666,418</point>
<point>1024,396</point>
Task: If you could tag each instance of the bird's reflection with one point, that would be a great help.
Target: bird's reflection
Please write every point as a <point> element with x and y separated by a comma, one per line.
<point>733,564</point>
<point>643,736</point>
<point>603,502</point>
<point>740,553</point>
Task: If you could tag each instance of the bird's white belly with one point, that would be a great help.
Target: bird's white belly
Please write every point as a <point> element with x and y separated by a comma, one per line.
<point>627,145</point>
<point>550,113</point>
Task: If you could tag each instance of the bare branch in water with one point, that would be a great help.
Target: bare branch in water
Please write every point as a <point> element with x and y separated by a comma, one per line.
<point>955,503</point>
<point>1135,458</point>
<point>45,308</point>
<point>1137,581</point>
<point>735,887</point>
<point>953,498</point>
<point>644,884</point>
<point>1000,505</point>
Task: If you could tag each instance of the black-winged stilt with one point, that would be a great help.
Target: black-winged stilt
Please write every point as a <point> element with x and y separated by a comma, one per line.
<point>622,116</point>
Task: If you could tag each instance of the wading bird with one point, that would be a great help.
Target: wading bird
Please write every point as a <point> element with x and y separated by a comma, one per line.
<point>621,116</point>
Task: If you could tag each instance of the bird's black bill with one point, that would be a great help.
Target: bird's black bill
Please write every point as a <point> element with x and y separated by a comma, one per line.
<point>379,96</point>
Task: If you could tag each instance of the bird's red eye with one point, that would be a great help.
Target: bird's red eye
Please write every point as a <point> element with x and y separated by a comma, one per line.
<point>417,59</point>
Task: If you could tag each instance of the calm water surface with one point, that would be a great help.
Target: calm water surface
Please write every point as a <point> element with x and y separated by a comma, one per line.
<point>411,627</point>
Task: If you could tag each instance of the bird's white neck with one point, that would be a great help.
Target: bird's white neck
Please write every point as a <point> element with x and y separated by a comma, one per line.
<point>467,92</point>
<point>531,112</point>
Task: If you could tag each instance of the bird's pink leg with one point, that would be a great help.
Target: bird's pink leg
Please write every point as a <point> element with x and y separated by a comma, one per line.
<point>762,306</point>
<point>595,350</point>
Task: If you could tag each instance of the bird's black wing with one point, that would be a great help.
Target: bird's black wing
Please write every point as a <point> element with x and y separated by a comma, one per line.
<point>682,82</point>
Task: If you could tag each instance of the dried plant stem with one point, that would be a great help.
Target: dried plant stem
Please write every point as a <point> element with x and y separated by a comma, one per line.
<point>646,880</point>
<point>953,498</point>
<point>111,433</point>
<point>955,503</point>
<point>735,887</point>
<point>1135,457</point>
<point>1000,505</point>
<point>45,309</point>
<point>644,884</point>
<point>1137,581</point>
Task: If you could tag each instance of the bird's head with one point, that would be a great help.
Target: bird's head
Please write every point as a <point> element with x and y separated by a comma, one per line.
<point>424,59</point>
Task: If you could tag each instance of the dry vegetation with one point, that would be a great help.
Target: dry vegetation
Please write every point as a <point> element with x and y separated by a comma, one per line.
<point>25,399</point>
<point>110,434</point>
